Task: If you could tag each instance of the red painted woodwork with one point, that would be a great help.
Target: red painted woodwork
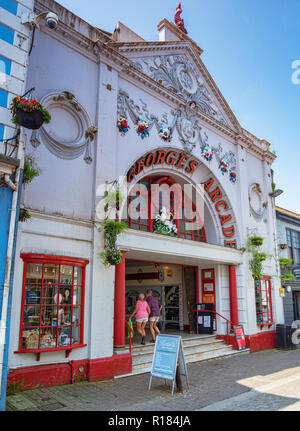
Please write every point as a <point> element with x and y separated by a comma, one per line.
<point>234,315</point>
<point>119,304</point>
<point>208,297</point>
<point>58,260</point>
<point>69,372</point>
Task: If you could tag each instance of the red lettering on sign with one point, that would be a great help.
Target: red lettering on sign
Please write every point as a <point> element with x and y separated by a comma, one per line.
<point>231,244</point>
<point>171,158</point>
<point>192,165</point>
<point>140,165</point>
<point>181,161</point>
<point>208,184</point>
<point>216,194</point>
<point>131,174</point>
<point>222,203</point>
<point>150,160</point>
<point>228,231</point>
<point>225,218</point>
<point>160,158</point>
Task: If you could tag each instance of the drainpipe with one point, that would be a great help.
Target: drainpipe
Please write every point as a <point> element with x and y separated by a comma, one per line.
<point>5,315</point>
<point>9,182</point>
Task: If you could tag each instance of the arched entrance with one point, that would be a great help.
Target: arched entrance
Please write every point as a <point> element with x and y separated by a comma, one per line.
<point>196,243</point>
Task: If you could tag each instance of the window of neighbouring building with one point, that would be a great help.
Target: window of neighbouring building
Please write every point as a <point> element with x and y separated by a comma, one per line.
<point>293,241</point>
<point>5,65</point>
<point>7,34</point>
<point>52,303</point>
<point>264,314</point>
<point>1,131</point>
<point>9,5</point>
<point>3,98</point>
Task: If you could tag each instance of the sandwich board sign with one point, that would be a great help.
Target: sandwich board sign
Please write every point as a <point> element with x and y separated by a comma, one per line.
<point>240,337</point>
<point>168,355</point>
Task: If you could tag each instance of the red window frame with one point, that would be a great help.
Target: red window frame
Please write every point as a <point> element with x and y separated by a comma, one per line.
<point>147,225</point>
<point>263,301</point>
<point>55,260</point>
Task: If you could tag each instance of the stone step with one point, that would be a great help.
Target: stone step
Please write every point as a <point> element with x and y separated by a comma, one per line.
<point>186,342</point>
<point>208,357</point>
<point>144,361</point>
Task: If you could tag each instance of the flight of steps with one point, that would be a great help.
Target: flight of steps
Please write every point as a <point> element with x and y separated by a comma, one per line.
<point>196,348</point>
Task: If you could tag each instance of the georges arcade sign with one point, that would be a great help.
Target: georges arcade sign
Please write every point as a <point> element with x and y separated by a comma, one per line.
<point>172,158</point>
<point>187,163</point>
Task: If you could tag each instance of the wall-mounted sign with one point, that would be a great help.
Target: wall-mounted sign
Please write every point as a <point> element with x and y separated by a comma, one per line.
<point>177,159</point>
<point>208,287</point>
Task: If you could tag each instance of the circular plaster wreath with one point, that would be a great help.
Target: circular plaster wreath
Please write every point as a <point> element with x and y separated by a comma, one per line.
<point>256,202</point>
<point>70,132</point>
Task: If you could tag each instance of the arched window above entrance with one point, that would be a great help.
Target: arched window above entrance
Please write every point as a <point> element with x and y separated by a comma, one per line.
<point>156,195</point>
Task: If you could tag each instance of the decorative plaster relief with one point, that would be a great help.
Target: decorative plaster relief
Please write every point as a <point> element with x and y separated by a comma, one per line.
<point>70,132</point>
<point>256,201</point>
<point>177,73</point>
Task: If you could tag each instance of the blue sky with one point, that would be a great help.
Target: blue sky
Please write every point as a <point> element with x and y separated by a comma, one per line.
<point>249,48</point>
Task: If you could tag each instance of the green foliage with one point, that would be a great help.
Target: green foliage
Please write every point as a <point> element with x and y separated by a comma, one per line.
<point>31,169</point>
<point>255,241</point>
<point>112,254</point>
<point>113,198</point>
<point>284,262</point>
<point>257,257</point>
<point>24,214</point>
<point>287,276</point>
<point>255,264</point>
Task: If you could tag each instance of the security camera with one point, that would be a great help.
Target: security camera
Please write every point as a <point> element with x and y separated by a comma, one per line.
<point>52,20</point>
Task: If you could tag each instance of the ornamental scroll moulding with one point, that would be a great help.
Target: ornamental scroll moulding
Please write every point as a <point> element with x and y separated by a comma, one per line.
<point>70,132</point>
<point>177,73</point>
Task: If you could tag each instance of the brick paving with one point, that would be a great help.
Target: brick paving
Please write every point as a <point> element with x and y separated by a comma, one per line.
<point>267,380</point>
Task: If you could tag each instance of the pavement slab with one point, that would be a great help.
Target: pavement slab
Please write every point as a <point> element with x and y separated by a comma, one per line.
<point>268,380</point>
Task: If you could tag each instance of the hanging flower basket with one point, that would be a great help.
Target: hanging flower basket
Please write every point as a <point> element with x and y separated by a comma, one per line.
<point>28,113</point>
<point>122,125</point>
<point>257,241</point>
<point>165,134</point>
<point>142,128</point>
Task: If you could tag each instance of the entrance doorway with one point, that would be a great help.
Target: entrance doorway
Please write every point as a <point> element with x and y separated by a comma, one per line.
<point>175,286</point>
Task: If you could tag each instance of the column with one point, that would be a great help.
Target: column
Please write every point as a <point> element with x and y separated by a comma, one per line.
<point>119,304</point>
<point>234,314</point>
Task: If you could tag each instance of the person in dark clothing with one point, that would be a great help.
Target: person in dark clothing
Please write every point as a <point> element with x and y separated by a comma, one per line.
<point>155,309</point>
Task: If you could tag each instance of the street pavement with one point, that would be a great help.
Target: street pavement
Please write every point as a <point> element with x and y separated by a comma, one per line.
<point>262,381</point>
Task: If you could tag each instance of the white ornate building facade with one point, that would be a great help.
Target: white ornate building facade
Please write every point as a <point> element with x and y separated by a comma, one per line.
<point>70,310</point>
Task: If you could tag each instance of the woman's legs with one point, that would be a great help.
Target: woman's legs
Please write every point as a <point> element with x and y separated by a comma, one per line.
<point>139,328</point>
<point>143,328</point>
<point>156,328</point>
<point>151,324</point>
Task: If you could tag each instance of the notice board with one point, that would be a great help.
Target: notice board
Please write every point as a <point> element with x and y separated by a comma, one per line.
<point>240,337</point>
<point>168,354</point>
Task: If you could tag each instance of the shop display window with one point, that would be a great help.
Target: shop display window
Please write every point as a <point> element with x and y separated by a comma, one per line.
<point>264,314</point>
<point>52,303</point>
